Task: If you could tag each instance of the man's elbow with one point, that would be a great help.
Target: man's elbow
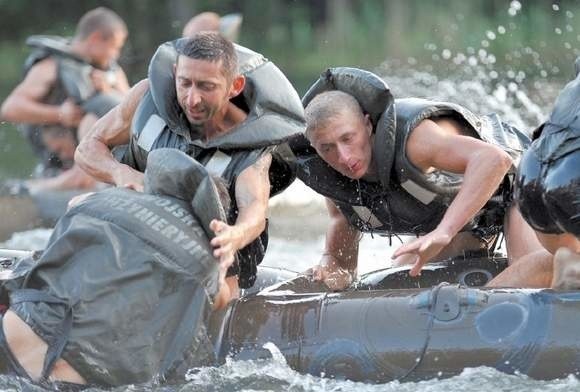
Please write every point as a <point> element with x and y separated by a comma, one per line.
<point>7,109</point>
<point>81,152</point>
<point>500,159</point>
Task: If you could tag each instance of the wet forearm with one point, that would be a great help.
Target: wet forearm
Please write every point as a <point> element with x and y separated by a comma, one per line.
<point>96,159</point>
<point>250,224</point>
<point>342,243</point>
<point>483,175</point>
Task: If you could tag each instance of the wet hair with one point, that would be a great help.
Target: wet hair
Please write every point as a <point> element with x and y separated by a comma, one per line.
<point>213,47</point>
<point>100,19</point>
<point>326,106</point>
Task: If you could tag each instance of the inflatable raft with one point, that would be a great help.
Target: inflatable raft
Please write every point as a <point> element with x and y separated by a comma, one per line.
<point>389,326</point>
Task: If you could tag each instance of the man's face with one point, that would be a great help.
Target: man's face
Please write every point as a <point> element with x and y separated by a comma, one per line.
<point>103,51</point>
<point>345,144</point>
<point>202,89</point>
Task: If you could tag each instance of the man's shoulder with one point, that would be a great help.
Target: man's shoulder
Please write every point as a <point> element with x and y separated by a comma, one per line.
<point>42,71</point>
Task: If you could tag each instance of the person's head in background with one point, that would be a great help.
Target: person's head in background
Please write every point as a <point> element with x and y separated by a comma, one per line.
<point>227,25</point>
<point>100,35</point>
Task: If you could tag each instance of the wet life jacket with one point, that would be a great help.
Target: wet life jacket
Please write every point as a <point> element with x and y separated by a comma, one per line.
<point>275,114</point>
<point>403,200</point>
<point>548,181</point>
<point>73,81</point>
<point>124,288</point>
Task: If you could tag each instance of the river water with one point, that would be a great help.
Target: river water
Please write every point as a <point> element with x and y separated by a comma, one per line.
<point>298,221</point>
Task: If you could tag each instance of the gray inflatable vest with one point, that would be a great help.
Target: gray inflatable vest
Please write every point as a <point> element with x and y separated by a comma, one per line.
<point>73,81</point>
<point>404,200</point>
<point>124,287</point>
<point>275,114</point>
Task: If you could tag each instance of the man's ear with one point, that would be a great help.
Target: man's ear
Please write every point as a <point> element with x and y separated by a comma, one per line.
<point>238,85</point>
<point>368,124</point>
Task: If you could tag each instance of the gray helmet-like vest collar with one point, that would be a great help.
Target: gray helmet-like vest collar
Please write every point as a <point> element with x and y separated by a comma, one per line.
<point>375,98</point>
<point>275,112</point>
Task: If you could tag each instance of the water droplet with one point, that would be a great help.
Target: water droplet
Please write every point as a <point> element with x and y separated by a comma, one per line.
<point>555,7</point>
<point>490,35</point>
<point>569,14</point>
<point>558,30</point>
<point>446,54</point>
<point>569,28</point>
<point>501,29</point>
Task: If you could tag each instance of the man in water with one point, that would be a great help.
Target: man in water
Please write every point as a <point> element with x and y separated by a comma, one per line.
<point>548,195</point>
<point>66,87</point>
<point>196,99</point>
<point>408,166</point>
<point>124,289</point>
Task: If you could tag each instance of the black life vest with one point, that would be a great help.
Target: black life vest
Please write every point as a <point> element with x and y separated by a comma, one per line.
<point>275,114</point>
<point>548,181</point>
<point>404,200</point>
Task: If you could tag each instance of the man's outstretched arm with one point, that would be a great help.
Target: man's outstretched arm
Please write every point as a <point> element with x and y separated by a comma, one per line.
<point>252,195</point>
<point>483,167</point>
<point>93,154</point>
<point>338,265</point>
<point>24,104</point>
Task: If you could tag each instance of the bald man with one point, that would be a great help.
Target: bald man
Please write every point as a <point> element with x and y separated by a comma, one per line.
<point>227,25</point>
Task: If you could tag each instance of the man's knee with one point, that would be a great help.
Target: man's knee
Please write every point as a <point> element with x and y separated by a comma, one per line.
<point>566,270</point>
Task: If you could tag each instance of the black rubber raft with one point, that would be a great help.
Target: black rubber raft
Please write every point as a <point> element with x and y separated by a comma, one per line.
<point>389,326</point>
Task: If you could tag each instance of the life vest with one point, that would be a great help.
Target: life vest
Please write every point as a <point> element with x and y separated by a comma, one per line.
<point>403,200</point>
<point>275,114</point>
<point>124,288</point>
<point>548,181</point>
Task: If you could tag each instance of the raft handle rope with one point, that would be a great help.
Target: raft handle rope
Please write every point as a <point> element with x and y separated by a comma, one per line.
<point>431,320</point>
